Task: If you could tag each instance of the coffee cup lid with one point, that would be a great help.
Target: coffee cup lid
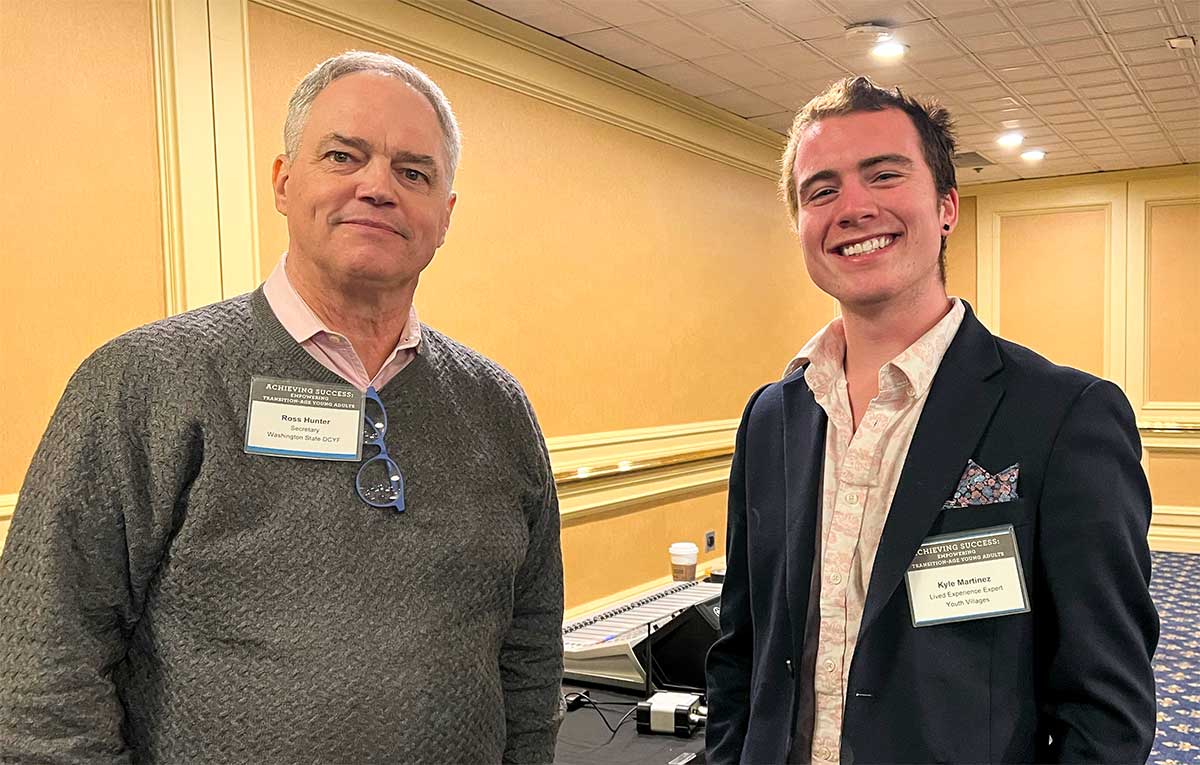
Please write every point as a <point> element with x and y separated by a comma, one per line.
<point>684,548</point>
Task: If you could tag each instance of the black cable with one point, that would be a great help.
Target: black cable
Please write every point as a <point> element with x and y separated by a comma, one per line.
<point>621,722</point>
<point>579,700</point>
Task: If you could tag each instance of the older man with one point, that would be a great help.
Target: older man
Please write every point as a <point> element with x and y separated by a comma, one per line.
<point>937,538</point>
<point>296,525</point>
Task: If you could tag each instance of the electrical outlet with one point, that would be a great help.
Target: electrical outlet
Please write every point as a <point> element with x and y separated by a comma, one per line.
<point>710,540</point>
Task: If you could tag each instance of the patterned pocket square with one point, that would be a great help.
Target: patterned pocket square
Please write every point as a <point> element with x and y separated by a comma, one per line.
<point>979,487</point>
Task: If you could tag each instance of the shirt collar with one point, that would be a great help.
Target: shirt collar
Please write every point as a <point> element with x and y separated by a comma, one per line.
<point>304,325</point>
<point>913,368</point>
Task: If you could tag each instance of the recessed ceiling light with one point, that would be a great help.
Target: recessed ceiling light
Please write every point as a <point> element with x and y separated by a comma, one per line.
<point>1033,155</point>
<point>1010,140</point>
<point>1183,42</point>
<point>889,50</point>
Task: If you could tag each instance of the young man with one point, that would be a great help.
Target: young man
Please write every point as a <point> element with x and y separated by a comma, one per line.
<point>208,562</point>
<point>937,539</point>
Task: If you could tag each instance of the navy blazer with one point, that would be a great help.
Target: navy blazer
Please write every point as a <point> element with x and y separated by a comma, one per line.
<point>1069,681</point>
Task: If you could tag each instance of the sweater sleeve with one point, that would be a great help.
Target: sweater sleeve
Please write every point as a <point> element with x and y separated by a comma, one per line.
<point>87,535</point>
<point>531,657</point>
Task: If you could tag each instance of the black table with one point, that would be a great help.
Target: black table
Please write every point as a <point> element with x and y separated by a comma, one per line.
<point>583,738</point>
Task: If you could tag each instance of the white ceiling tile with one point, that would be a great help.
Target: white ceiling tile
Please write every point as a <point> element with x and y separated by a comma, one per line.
<point>689,78</point>
<point>1146,38</point>
<point>1088,135</point>
<point>618,12</point>
<point>738,28</point>
<point>793,95</point>
<point>620,47</point>
<point>1174,94</point>
<point>1067,30</point>
<point>1044,85</point>
<point>965,81</point>
<point>739,70</point>
<point>993,41</point>
<point>1116,6</point>
<point>1018,57</point>
<point>942,8</point>
<point>1045,13</point>
<point>948,67</point>
<point>1153,55</point>
<point>1140,19</point>
<point>921,33</point>
<point>1165,83</point>
<point>1139,120</point>
<point>976,24</point>
<point>1114,102</point>
<point>829,27</point>
<point>788,11</point>
<point>796,60</point>
<point>1050,97</point>
<point>561,20</point>
<point>1102,77</point>
<point>676,37</point>
<point>684,7</point>
<point>890,12</point>
<point>1164,69</point>
<point>744,103</point>
<point>1088,46</point>
<point>1103,91</point>
<point>1065,107</point>
<point>1089,64</point>
<point>1082,121</point>
<point>780,122</point>
<point>1095,144</point>
<point>1189,10</point>
<point>1143,138</point>
<point>985,93</point>
<point>1018,73</point>
<point>1123,111</point>
<point>516,9</point>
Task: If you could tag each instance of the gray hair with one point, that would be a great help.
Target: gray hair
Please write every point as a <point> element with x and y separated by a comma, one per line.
<point>364,61</point>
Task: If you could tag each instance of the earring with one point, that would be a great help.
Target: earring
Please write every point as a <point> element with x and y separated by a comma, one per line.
<point>946,227</point>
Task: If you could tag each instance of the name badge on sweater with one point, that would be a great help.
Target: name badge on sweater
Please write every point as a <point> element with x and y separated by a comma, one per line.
<point>970,575</point>
<point>294,418</point>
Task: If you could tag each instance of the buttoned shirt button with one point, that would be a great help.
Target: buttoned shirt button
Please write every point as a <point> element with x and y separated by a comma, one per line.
<point>826,753</point>
<point>829,665</point>
<point>835,578</point>
<point>851,498</point>
<point>912,392</point>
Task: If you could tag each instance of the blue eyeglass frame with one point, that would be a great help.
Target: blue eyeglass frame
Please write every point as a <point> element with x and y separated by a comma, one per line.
<point>395,477</point>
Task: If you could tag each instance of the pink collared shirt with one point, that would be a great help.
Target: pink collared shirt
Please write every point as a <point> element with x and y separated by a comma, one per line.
<point>861,473</point>
<point>332,349</point>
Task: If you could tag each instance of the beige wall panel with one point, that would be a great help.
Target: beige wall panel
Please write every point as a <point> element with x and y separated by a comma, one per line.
<point>603,554</point>
<point>961,255</point>
<point>79,205</point>
<point>1175,478</point>
<point>626,282</point>
<point>1173,282</point>
<point>1052,285</point>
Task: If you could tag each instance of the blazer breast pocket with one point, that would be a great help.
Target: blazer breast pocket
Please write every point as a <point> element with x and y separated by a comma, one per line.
<point>954,519</point>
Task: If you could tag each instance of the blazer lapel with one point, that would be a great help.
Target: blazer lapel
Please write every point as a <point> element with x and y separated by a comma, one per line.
<point>804,455</point>
<point>961,402</point>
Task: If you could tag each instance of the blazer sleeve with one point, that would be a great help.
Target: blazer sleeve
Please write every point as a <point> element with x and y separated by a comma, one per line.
<point>731,656</point>
<point>1095,649</point>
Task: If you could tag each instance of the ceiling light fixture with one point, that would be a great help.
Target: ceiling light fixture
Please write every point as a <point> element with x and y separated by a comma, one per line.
<point>1183,42</point>
<point>889,50</point>
<point>1010,140</point>
<point>1033,155</point>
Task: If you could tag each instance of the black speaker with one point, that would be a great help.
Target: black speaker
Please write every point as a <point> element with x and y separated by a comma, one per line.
<point>675,651</point>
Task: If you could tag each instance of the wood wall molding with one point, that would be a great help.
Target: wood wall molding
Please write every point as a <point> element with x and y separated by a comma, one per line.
<point>1175,528</point>
<point>652,466</point>
<point>995,203</point>
<point>1144,196</point>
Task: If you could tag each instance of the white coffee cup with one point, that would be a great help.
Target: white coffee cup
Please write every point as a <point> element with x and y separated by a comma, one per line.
<point>683,561</point>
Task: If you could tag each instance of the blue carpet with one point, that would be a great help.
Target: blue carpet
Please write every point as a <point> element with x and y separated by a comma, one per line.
<point>1175,586</point>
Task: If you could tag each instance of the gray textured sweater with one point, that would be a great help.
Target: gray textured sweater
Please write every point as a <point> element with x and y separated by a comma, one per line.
<point>165,597</point>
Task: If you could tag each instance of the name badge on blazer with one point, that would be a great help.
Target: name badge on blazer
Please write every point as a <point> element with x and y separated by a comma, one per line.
<point>967,575</point>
